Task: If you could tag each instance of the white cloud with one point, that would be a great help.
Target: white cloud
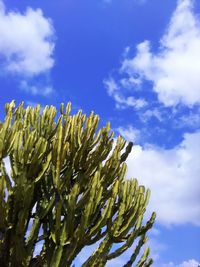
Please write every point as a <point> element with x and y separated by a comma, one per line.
<point>26,43</point>
<point>130,101</point>
<point>175,69</point>
<point>129,133</point>
<point>151,113</point>
<point>36,90</point>
<point>7,166</point>
<point>173,177</point>
<point>191,120</point>
<point>122,101</point>
<point>190,263</point>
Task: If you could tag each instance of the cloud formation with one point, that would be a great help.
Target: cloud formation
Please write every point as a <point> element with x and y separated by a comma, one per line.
<point>27,41</point>
<point>173,176</point>
<point>129,133</point>
<point>121,100</point>
<point>36,90</point>
<point>174,69</point>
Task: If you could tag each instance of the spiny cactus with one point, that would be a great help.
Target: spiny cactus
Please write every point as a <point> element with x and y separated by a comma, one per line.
<point>66,188</point>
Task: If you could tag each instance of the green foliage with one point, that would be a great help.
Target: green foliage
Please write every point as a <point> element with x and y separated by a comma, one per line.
<point>68,179</point>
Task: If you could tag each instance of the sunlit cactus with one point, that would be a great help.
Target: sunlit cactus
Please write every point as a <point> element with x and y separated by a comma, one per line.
<point>67,189</point>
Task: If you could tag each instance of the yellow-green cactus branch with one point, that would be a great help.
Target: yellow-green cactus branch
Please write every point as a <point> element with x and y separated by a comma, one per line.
<point>63,183</point>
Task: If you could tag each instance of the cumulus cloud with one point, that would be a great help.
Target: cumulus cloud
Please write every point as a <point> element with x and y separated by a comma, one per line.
<point>27,41</point>
<point>174,70</point>
<point>173,177</point>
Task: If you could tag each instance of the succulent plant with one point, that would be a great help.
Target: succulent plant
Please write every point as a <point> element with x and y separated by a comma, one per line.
<point>67,189</point>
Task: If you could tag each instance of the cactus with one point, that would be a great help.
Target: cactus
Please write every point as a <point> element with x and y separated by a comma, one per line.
<point>67,188</point>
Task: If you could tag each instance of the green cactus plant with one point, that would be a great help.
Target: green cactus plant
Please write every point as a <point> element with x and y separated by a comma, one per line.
<point>67,182</point>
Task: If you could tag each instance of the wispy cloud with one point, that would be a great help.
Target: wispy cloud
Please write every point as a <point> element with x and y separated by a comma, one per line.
<point>189,263</point>
<point>191,119</point>
<point>129,133</point>
<point>36,90</point>
<point>121,100</point>
<point>151,113</point>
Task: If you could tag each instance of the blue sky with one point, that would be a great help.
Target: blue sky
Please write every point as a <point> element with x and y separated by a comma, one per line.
<point>135,63</point>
